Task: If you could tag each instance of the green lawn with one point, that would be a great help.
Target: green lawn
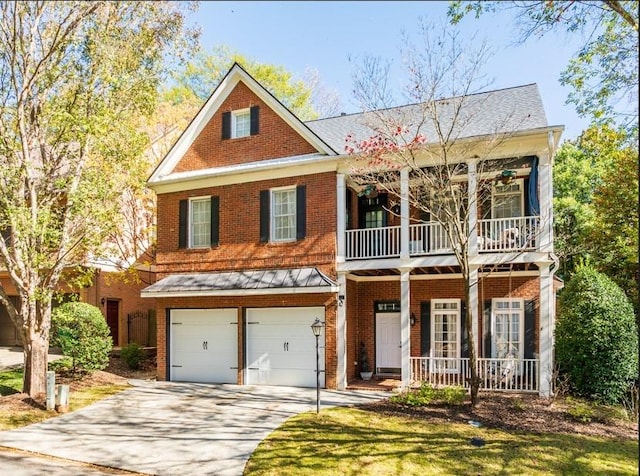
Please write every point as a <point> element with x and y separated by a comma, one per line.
<point>348,441</point>
<point>11,382</point>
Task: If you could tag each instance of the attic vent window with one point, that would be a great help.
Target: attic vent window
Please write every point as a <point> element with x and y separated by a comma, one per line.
<point>240,123</point>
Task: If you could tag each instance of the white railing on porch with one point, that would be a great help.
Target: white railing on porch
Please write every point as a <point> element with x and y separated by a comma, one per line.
<point>508,234</point>
<point>383,242</point>
<point>428,238</point>
<point>501,375</point>
<point>495,235</point>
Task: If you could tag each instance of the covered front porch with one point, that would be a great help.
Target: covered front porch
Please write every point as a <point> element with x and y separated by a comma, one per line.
<point>412,325</point>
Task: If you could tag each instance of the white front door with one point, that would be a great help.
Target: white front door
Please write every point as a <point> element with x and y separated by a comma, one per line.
<point>388,342</point>
<point>281,348</point>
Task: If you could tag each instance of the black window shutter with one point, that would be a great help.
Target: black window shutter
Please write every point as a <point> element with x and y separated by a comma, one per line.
<point>255,120</point>
<point>425,328</point>
<point>529,329</point>
<point>486,329</point>
<point>301,212</point>
<point>265,199</point>
<point>348,200</point>
<point>226,125</point>
<point>464,341</point>
<point>215,221</point>
<point>183,223</point>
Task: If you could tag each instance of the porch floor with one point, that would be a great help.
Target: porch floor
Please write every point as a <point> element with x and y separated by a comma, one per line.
<point>377,383</point>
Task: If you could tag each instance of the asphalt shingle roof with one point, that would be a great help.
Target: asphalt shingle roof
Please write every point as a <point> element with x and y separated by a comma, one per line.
<point>500,111</point>
<point>242,280</point>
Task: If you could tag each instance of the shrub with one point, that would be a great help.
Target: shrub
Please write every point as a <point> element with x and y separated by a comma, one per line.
<point>596,337</point>
<point>427,394</point>
<point>132,354</point>
<point>81,331</point>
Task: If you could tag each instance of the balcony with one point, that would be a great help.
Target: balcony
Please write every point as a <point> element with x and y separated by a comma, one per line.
<point>501,235</point>
<point>497,375</point>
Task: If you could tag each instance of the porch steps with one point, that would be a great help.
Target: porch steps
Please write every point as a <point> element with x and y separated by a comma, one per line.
<point>379,382</point>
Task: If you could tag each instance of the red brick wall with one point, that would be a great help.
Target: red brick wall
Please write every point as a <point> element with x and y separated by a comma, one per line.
<point>328,301</point>
<point>275,138</point>
<point>240,246</point>
<point>127,293</point>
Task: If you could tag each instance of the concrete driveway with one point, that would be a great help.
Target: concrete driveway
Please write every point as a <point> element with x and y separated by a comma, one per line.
<point>170,428</point>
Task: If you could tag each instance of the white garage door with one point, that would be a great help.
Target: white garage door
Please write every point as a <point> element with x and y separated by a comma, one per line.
<point>281,349</point>
<point>204,345</point>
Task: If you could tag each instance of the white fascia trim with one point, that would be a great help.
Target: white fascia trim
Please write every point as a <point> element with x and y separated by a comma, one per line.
<point>215,180</point>
<point>248,167</point>
<point>435,277</point>
<point>242,292</point>
<point>226,86</point>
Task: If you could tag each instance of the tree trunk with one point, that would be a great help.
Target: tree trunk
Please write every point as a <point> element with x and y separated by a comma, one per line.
<point>36,349</point>
<point>474,380</point>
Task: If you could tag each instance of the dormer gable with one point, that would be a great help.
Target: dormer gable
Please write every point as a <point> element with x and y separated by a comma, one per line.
<point>240,123</point>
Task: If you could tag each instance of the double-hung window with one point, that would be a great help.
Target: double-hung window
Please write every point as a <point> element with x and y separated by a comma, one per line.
<point>283,208</point>
<point>508,200</point>
<point>240,123</point>
<point>507,328</point>
<point>200,222</point>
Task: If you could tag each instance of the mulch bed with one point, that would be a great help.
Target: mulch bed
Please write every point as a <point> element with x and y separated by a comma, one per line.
<point>510,412</point>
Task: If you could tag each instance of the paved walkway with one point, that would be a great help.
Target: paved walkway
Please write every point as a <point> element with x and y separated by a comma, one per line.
<point>13,357</point>
<point>169,428</point>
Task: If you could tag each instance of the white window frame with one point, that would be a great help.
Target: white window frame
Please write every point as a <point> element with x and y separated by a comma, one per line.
<point>273,218</point>
<point>192,223</point>
<point>494,311</point>
<point>451,367</point>
<point>234,123</point>
<point>496,196</point>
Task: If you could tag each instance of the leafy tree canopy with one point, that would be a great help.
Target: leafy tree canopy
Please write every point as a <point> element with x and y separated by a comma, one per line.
<point>203,73</point>
<point>603,74</point>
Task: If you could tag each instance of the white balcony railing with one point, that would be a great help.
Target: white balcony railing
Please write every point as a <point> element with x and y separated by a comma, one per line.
<point>501,375</point>
<point>381,242</point>
<point>509,234</point>
<point>495,235</point>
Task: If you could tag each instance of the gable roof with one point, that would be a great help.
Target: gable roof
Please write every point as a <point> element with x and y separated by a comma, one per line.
<point>235,75</point>
<point>501,111</point>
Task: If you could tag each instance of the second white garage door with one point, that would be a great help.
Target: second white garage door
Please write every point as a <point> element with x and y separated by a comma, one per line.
<point>204,345</point>
<point>281,349</point>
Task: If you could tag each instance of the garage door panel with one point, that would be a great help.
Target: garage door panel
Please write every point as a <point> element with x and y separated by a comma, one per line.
<point>281,347</point>
<point>204,345</point>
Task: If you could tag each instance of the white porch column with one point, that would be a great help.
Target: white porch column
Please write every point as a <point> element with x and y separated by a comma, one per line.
<point>404,213</point>
<point>341,333</point>
<point>547,320</point>
<point>545,191</point>
<point>341,202</point>
<point>405,328</point>
<point>472,214</point>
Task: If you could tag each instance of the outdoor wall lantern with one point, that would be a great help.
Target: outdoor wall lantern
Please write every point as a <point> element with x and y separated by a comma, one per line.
<point>340,301</point>
<point>369,191</point>
<point>316,328</point>
<point>507,176</point>
<point>412,319</point>
<point>102,301</point>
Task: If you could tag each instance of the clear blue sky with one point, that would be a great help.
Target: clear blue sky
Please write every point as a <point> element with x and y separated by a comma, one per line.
<point>323,35</point>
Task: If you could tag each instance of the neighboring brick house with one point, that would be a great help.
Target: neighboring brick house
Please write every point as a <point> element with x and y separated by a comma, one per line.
<point>130,317</point>
<point>260,232</point>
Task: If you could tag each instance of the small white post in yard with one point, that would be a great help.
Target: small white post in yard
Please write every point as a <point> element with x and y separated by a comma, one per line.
<point>62,399</point>
<point>51,389</point>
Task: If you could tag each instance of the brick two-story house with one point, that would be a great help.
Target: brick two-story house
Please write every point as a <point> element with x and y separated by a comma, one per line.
<point>260,232</point>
